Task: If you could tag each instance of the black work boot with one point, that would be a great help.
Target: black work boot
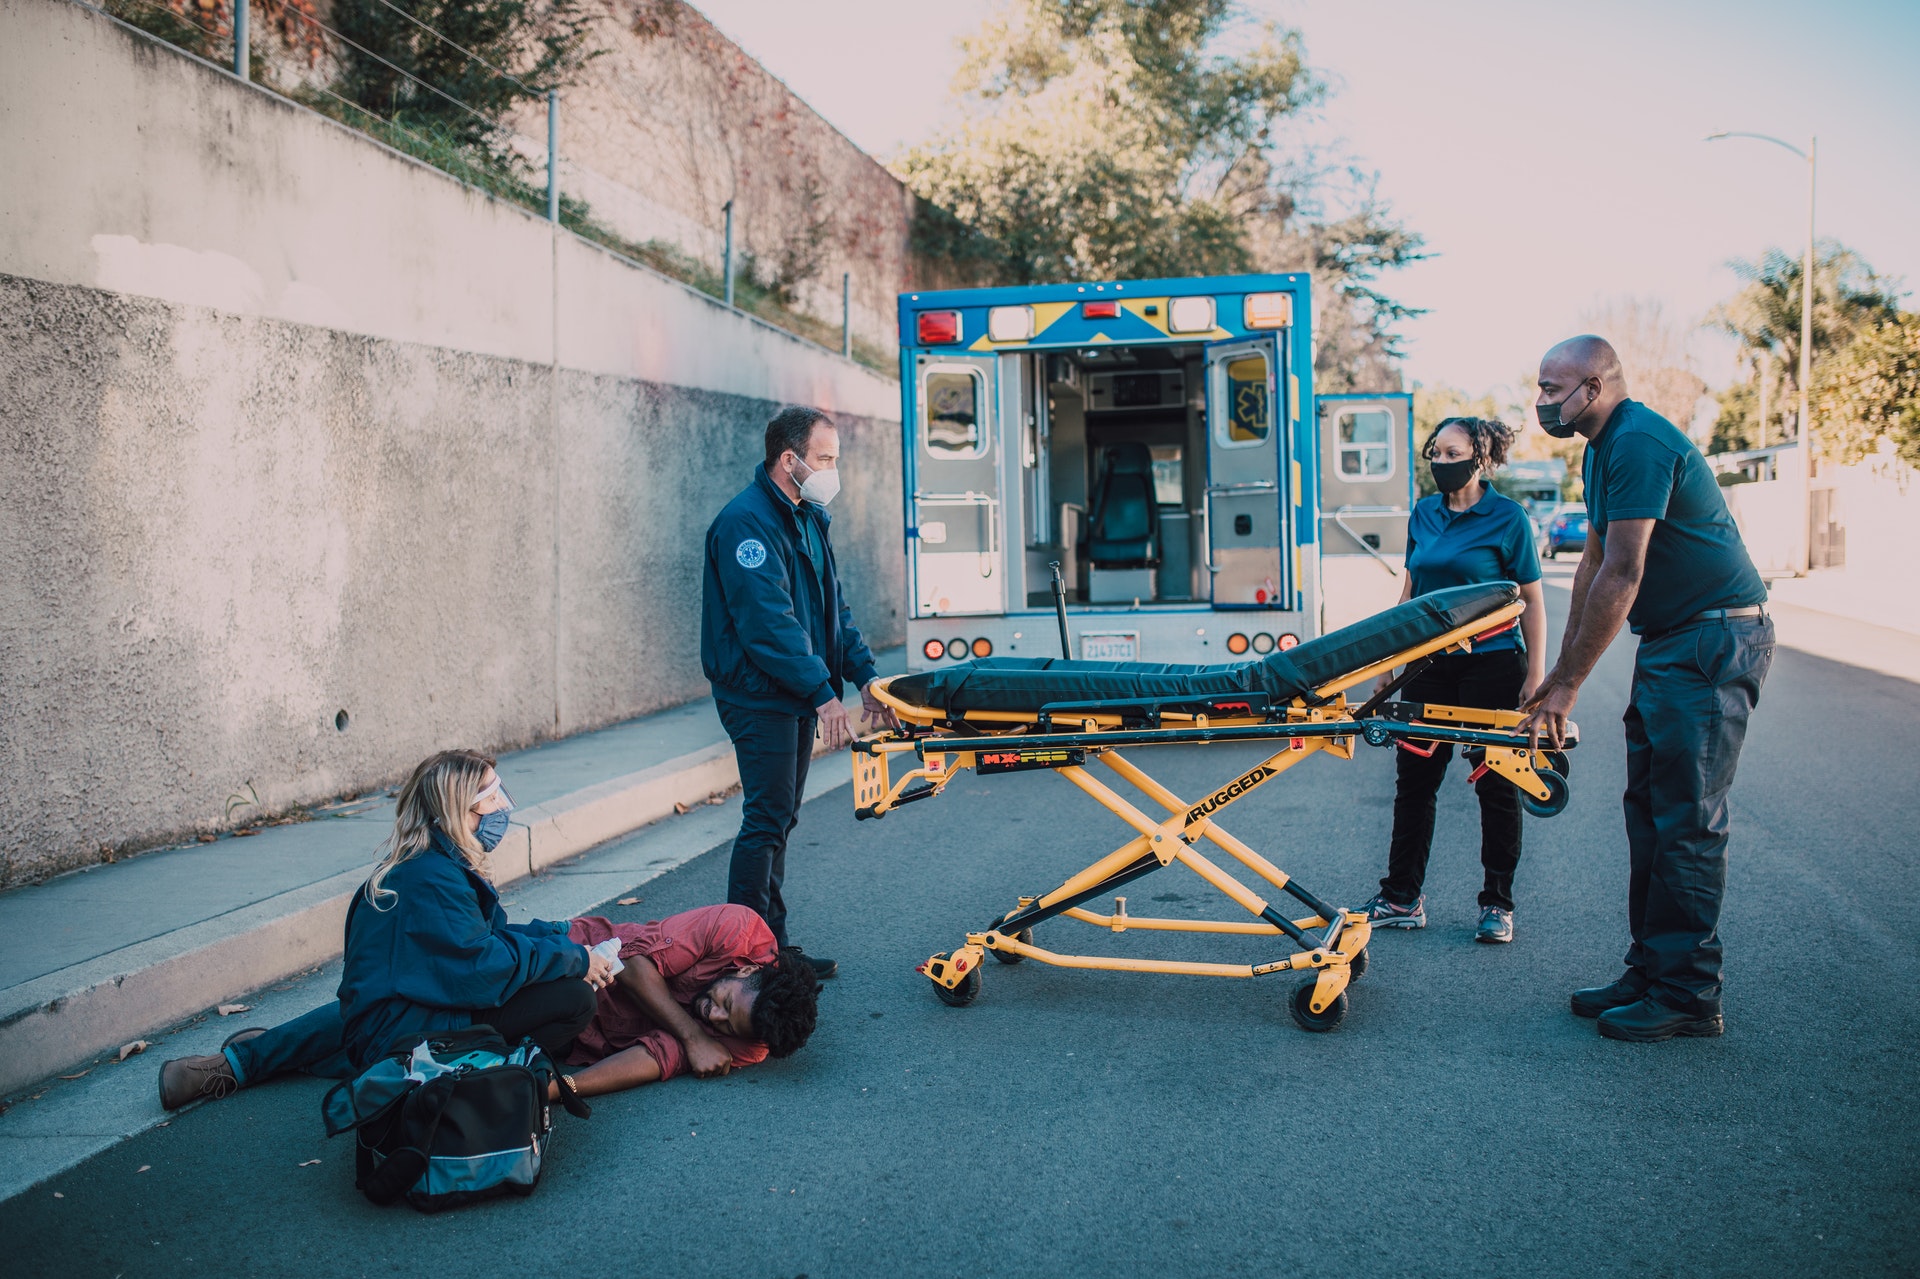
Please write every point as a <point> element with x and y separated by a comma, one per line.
<point>822,968</point>
<point>186,1079</point>
<point>1595,1000</point>
<point>1648,1021</point>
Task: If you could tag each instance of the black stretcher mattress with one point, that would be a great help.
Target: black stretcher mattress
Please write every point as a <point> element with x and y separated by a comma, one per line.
<point>1028,683</point>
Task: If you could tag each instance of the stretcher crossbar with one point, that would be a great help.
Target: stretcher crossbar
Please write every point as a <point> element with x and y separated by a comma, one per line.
<point>996,716</point>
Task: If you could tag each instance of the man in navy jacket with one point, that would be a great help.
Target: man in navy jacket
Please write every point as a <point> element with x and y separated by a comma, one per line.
<point>777,642</point>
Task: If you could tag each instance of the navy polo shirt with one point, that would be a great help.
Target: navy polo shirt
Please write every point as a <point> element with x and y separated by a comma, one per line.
<point>1641,467</point>
<point>1490,541</point>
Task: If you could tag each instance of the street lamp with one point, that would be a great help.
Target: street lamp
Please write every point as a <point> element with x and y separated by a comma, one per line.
<point>1811,156</point>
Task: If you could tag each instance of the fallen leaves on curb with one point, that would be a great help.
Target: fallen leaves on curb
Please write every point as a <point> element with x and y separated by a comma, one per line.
<point>309,1163</point>
<point>142,1168</point>
<point>128,1050</point>
<point>82,1075</point>
<point>681,808</point>
<point>630,901</point>
<point>228,1010</point>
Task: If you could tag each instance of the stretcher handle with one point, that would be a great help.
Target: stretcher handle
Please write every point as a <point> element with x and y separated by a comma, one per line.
<point>1060,611</point>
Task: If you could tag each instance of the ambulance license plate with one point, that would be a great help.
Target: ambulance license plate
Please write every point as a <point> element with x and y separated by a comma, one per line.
<point>1110,646</point>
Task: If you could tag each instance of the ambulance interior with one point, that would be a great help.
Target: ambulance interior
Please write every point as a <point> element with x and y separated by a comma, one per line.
<point>1114,469</point>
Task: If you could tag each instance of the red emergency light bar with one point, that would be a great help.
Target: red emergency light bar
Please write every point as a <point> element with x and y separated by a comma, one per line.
<point>937,327</point>
<point>1100,310</point>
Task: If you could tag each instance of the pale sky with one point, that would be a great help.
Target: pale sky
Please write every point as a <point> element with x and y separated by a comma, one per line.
<point>1551,153</point>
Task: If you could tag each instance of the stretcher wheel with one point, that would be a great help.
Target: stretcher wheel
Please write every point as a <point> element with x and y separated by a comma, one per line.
<point>1025,935</point>
<point>1557,761</point>
<point>960,996</point>
<point>1557,795</point>
<point>1357,966</point>
<point>1301,1006</point>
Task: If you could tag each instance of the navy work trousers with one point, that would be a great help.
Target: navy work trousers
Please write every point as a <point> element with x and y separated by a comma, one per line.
<point>774,751</point>
<point>313,1042</point>
<point>1490,681</point>
<point>1693,689</point>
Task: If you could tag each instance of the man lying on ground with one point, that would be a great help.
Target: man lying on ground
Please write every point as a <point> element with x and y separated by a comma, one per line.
<point>703,991</point>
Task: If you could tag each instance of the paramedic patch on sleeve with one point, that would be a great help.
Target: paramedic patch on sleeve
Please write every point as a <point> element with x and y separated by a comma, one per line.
<point>751,553</point>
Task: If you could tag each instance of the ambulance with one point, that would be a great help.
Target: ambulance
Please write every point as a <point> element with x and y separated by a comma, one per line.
<point>1147,455</point>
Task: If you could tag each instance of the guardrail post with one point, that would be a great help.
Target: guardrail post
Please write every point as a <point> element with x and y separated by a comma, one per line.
<point>553,155</point>
<point>846,314</point>
<point>240,60</point>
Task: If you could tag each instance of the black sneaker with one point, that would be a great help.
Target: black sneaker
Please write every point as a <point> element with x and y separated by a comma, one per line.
<point>822,968</point>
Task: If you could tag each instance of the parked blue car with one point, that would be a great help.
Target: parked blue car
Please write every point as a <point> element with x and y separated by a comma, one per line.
<point>1566,531</point>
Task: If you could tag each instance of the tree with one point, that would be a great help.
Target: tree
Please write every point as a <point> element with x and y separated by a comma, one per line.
<point>1870,389</point>
<point>1104,139</point>
<point>413,67</point>
<point>1765,316</point>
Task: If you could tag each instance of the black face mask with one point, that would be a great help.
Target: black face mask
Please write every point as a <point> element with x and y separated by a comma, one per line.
<point>1553,423</point>
<point>1451,477</point>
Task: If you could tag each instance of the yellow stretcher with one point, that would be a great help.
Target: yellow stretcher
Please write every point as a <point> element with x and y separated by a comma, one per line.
<point>1000,715</point>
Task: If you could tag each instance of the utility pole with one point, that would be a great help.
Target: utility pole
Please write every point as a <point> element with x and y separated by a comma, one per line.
<point>240,59</point>
<point>726,252</point>
<point>846,314</point>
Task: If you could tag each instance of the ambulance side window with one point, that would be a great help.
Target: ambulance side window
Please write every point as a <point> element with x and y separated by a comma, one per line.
<point>1365,440</point>
<point>953,399</point>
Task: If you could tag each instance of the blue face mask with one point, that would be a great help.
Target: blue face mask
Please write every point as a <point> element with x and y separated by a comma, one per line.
<point>493,828</point>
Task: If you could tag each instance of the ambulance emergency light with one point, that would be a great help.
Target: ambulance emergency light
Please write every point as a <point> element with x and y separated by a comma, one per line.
<point>1268,310</point>
<point>1190,315</point>
<point>936,328</point>
<point>1010,323</point>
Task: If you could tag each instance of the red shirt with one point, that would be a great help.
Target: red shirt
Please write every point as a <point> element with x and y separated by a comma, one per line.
<point>692,950</point>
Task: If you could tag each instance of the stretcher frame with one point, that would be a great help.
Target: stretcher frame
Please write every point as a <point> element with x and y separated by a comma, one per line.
<point>1331,942</point>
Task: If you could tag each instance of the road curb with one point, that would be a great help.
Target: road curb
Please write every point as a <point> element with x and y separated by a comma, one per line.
<point>56,1021</point>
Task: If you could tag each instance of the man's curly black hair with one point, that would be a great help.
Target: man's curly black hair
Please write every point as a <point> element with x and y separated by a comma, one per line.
<point>787,1003</point>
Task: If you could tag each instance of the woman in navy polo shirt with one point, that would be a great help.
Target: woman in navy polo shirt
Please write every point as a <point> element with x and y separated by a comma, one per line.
<point>1462,535</point>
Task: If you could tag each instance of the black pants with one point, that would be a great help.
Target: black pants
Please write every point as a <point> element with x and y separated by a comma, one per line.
<point>1686,720</point>
<point>774,751</point>
<point>551,1013</point>
<point>1490,681</point>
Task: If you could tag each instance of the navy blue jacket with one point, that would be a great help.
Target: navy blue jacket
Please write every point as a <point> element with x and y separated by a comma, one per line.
<point>774,635</point>
<point>440,950</point>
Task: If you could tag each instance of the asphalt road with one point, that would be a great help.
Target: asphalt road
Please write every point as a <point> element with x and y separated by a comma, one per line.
<point>1460,1122</point>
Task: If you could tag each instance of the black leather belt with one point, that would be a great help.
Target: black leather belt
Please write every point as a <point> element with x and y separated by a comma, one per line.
<point>1715,614</point>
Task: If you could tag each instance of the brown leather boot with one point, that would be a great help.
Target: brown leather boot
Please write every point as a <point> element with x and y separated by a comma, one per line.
<point>186,1079</point>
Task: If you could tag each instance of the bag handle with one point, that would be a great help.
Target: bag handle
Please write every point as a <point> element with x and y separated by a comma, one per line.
<point>405,1166</point>
<point>543,1067</point>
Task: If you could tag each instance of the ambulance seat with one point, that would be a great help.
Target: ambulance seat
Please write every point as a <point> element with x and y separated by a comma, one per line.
<point>1124,532</point>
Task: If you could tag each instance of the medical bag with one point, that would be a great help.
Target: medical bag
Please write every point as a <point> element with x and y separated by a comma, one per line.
<point>458,1118</point>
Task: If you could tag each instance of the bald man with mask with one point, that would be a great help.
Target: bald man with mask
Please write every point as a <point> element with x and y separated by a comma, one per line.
<point>1664,557</point>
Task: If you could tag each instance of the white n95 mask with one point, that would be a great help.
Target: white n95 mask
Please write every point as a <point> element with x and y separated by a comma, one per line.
<point>821,486</point>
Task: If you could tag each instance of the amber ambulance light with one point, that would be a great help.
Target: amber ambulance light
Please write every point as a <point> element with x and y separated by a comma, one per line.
<point>1100,310</point>
<point>1263,643</point>
<point>1269,310</point>
<point>1190,315</point>
<point>934,650</point>
<point>1236,643</point>
<point>983,647</point>
<point>1288,640</point>
<point>956,649</point>
<point>938,327</point>
<point>1010,323</point>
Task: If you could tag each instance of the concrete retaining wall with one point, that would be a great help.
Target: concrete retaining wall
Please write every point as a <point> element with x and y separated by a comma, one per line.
<point>295,426</point>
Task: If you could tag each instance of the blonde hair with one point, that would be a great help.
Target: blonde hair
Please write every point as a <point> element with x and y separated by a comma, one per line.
<point>443,787</point>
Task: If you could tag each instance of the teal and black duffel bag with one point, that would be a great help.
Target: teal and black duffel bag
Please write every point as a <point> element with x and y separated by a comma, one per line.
<point>458,1118</point>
